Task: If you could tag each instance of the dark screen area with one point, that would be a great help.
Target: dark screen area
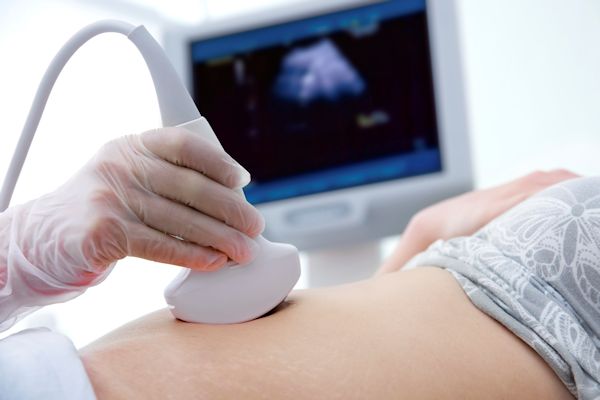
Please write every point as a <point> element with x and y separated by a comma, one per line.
<point>324,101</point>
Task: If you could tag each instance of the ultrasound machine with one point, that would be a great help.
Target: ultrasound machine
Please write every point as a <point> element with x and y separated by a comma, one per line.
<point>350,115</point>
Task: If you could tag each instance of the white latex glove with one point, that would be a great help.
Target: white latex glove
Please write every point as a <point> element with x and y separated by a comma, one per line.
<point>165,195</point>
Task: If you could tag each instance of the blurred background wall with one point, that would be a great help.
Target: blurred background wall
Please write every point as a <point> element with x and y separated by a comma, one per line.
<point>532,90</point>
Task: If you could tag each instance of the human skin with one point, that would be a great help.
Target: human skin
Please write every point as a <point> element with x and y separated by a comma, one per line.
<point>408,334</point>
<point>465,214</point>
<point>401,334</point>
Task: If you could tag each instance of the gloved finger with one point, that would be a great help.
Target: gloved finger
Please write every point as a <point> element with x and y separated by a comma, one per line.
<point>178,220</point>
<point>153,245</point>
<point>195,190</point>
<point>184,148</point>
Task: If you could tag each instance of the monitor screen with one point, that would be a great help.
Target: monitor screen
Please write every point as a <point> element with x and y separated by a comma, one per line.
<point>323,103</point>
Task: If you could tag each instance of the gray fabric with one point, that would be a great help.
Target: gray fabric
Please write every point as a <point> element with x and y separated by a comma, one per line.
<point>536,270</point>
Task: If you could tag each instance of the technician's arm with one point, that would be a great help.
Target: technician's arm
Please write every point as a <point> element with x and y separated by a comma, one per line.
<point>5,223</point>
<point>165,195</point>
<point>23,286</point>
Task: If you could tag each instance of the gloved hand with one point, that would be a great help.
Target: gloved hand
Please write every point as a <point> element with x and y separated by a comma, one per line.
<point>165,195</point>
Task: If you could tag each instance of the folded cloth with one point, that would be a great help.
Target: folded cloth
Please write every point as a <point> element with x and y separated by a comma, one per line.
<point>536,270</point>
<point>40,364</point>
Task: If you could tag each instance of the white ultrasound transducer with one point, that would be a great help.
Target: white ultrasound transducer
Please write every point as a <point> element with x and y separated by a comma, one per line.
<point>235,293</point>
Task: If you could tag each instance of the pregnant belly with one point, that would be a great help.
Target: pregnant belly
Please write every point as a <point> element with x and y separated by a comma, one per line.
<point>411,334</point>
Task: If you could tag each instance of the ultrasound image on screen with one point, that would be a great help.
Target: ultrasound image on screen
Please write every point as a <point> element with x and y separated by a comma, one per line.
<point>314,110</point>
<point>317,73</point>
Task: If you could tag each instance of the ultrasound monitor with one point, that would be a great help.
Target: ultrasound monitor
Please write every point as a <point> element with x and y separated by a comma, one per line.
<point>337,110</point>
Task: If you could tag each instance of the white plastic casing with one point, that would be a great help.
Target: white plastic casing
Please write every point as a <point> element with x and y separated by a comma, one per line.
<point>235,293</point>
